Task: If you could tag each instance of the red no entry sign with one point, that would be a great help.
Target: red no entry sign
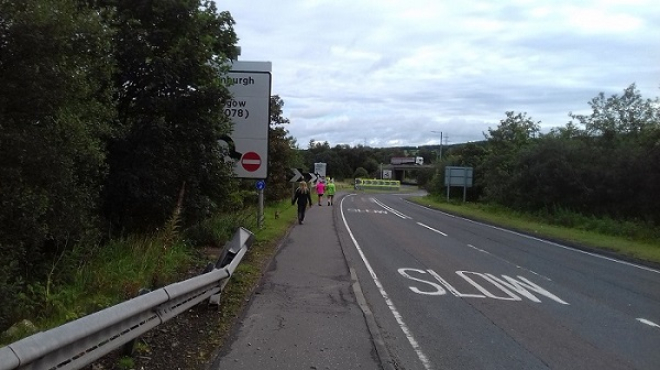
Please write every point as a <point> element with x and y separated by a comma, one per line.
<point>251,161</point>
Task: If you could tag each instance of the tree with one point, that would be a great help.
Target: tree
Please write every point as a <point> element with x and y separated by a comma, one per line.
<point>623,132</point>
<point>626,114</point>
<point>55,110</point>
<point>555,173</point>
<point>281,153</point>
<point>608,169</point>
<point>360,172</point>
<point>514,133</point>
<point>428,155</point>
<point>340,167</point>
<point>170,57</point>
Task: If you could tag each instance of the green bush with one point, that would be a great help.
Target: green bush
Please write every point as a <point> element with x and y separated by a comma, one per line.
<point>216,230</point>
<point>11,285</point>
<point>360,172</point>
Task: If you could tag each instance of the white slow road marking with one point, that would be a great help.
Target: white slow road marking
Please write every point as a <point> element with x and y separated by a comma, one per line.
<point>397,213</point>
<point>399,319</point>
<point>432,229</point>
<point>648,322</point>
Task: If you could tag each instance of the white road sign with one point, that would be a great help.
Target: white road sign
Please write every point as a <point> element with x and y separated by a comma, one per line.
<point>320,169</point>
<point>250,85</point>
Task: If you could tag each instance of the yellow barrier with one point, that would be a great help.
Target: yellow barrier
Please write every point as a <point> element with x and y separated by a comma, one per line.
<point>377,184</point>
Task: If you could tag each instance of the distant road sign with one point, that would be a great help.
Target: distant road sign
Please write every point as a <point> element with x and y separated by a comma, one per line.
<point>320,169</point>
<point>299,176</point>
<point>260,185</point>
<point>458,176</point>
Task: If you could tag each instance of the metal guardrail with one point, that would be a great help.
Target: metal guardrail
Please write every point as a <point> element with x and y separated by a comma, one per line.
<point>83,341</point>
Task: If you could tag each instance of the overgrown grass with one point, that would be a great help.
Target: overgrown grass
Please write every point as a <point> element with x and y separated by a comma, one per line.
<point>116,271</point>
<point>629,239</point>
<point>88,278</point>
<point>214,231</point>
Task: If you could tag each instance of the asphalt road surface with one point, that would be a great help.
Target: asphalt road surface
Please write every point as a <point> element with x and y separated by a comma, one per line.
<point>449,293</point>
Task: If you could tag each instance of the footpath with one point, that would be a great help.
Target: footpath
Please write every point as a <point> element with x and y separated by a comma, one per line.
<point>308,312</point>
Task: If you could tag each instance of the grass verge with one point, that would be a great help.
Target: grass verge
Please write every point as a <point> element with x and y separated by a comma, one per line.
<point>103,277</point>
<point>640,248</point>
<point>98,277</point>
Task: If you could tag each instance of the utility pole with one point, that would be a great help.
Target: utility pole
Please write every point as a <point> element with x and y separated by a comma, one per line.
<point>440,156</point>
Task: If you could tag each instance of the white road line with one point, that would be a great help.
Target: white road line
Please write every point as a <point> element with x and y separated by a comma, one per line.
<point>546,241</point>
<point>394,211</point>
<point>432,229</point>
<point>648,322</point>
<point>399,319</point>
<point>479,249</point>
<point>509,262</point>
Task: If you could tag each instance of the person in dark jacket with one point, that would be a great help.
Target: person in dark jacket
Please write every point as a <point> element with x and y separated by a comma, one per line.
<point>304,199</point>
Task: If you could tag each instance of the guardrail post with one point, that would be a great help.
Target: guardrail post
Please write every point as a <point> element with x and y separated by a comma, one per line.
<point>242,237</point>
<point>231,248</point>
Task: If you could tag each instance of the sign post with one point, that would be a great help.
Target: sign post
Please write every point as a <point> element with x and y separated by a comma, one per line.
<point>458,176</point>
<point>260,185</point>
<point>249,110</point>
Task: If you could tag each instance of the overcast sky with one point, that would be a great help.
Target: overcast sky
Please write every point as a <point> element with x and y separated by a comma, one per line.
<point>388,73</point>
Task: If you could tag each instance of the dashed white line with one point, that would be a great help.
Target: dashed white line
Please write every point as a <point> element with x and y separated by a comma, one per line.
<point>432,229</point>
<point>648,322</point>
<point>479,249</point>
<point>509,262</point>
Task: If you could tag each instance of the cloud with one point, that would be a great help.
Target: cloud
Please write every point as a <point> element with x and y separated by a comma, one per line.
<point>390,72</point>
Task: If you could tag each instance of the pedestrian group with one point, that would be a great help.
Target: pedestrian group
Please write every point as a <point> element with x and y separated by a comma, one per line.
<point>302,196</point>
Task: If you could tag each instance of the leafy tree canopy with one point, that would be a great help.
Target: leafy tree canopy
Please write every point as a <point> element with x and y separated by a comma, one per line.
<point>628,113</point>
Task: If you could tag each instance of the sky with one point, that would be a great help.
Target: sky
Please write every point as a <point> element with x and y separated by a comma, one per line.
<point>387,73</point>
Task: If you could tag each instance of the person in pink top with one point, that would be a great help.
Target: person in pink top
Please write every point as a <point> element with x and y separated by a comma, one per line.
<point>320,189</point>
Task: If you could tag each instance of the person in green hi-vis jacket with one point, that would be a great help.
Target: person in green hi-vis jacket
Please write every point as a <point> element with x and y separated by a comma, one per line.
<point>330,191</point>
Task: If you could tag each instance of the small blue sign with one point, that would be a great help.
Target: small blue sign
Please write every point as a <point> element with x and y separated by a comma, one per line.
<point>261,184</point>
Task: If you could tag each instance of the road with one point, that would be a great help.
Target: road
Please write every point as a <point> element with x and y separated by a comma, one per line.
<point>450,293</point>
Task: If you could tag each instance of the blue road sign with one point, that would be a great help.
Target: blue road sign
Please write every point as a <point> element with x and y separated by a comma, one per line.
<point>261,184</point>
